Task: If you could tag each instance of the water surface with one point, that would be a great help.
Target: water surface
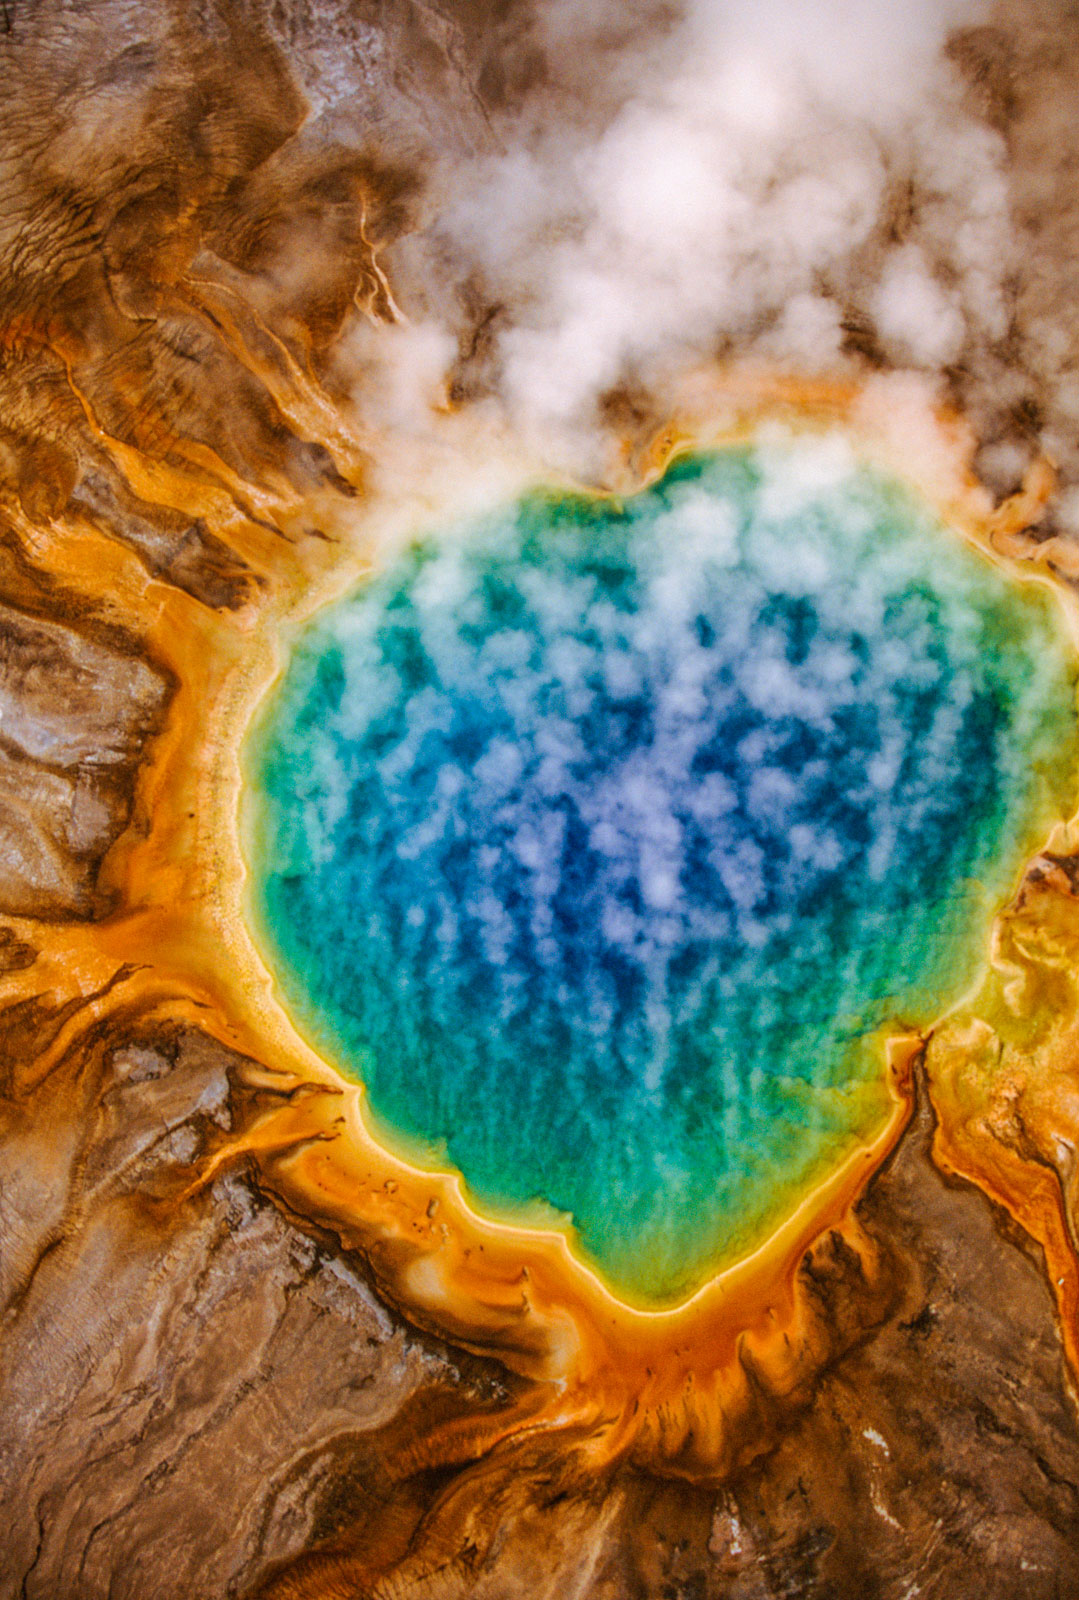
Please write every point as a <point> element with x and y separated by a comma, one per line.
<point>603,842</point>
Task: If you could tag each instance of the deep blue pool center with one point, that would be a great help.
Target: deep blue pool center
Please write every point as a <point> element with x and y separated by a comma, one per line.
<point>604,841</point>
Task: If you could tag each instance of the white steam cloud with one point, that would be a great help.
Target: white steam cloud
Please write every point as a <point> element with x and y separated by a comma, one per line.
<point>754,179</point>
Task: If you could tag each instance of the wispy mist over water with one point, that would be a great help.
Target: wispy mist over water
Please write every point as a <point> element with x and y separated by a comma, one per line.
<point>599,840</point>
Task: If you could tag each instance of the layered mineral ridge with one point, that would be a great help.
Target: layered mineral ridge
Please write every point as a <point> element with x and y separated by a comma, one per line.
<point>539,882</point>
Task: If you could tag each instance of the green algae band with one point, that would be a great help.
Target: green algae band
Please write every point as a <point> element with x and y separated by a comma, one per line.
<point>603,841</point>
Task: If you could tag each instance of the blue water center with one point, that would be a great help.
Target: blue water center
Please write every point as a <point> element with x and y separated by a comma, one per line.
<point>605,841</point>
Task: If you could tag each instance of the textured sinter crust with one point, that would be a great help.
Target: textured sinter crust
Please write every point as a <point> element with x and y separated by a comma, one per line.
<point>212,1380</point>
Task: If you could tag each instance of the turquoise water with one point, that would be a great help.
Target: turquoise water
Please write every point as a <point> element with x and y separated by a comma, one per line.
<point>602,840</point>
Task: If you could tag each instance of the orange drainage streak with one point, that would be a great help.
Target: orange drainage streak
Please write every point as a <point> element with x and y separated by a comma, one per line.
<point>681,1386</point>
<point>1003,1072</point>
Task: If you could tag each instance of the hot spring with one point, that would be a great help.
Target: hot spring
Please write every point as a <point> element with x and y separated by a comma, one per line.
<point>605,842</point>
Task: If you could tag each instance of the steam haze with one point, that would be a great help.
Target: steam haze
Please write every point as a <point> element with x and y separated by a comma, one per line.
<point>738,199</point>
<point>822,191</point>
